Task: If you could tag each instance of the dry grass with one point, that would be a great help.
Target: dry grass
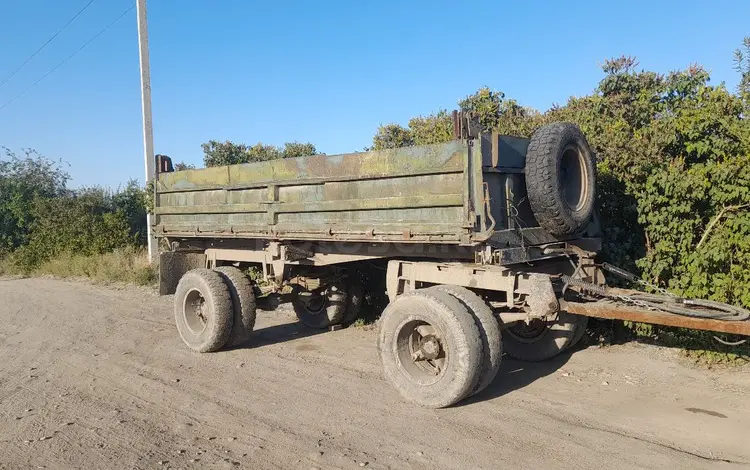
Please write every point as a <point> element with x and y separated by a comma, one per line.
<point>127,265</point>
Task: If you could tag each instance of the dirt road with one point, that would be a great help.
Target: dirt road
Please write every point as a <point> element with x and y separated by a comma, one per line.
<point>96,378</point>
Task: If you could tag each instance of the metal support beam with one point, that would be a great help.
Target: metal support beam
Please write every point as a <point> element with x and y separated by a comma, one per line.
<point>148,129</point>
<point>613,311</point>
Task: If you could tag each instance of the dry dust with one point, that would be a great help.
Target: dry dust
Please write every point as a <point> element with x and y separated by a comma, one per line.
<point>96,378</point>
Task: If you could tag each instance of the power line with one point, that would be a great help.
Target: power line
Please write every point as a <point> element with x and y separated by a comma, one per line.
<point>45,44</point>
<point>68,58</point>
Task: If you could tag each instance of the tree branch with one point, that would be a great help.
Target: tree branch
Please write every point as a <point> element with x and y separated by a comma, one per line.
<point>716,219</point>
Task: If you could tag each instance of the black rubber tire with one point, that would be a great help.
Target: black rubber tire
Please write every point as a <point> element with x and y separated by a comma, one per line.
<point>554,338</point>
<point>354,298</point>
<point>243,304</point>
<point>459,334</point>
<point>332,311</point>
<point>216,309</point>
<point>489,332</point>
<point>556,150</point>
<point>583,322</point>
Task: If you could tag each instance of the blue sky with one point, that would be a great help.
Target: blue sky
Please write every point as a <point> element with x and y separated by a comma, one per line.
<point>328,72</point>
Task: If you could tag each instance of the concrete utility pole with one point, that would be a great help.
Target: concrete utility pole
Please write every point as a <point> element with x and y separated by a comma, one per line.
<point>148,128</point>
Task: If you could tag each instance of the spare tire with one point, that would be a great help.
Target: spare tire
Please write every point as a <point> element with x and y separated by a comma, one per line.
<point>560,178</point>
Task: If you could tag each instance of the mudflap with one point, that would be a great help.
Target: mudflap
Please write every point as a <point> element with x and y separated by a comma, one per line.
<point>173,265</point>
<point>542,300</point>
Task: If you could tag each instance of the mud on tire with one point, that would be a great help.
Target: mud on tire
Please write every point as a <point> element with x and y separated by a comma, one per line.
<point>489,332</point>
<point>542,340</point>
<point>321,308</point>
<point>354,299</point>
<point>243,304</point>
<point>203,310</point>
<point>419,321</point>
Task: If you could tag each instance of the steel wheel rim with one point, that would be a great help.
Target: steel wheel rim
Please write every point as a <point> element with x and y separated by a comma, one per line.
<point>194,312</point>
<point>573,178</point>
<point>413,338</point>
<point>315,302</point>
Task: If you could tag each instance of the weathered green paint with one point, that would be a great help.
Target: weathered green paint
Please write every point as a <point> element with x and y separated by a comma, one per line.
<point>385,163</point>
<point>434,193</point>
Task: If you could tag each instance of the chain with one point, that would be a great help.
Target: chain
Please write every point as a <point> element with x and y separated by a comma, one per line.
<point>660,290</point>
<point>633,278</point>
<point>636,302</point>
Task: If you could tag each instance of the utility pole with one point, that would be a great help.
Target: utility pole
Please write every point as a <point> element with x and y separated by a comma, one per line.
<point>148,127</point>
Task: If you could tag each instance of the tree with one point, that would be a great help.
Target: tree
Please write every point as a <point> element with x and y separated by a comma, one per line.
<point>673,158</point>
<point>742,65</point>
<point>229,153</point>
<point>223,153</point>
<point>23,179</point>
<point>431,129</point>
<point>297,149</point>
<point>390,136</point>
<point>487,104</point>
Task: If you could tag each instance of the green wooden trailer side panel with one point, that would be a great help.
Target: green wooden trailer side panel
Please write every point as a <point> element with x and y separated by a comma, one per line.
<point>413,194</point>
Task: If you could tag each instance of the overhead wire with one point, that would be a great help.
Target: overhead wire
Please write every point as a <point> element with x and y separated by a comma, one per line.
<point>28,59</point>
<point>93,38</point>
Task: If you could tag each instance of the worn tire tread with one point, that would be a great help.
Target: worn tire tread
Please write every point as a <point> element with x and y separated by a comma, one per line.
<point>216,293</point>
<point>542,167</point>
<point>243,304</point>
<point>465,345</point>
<point>489,332</point>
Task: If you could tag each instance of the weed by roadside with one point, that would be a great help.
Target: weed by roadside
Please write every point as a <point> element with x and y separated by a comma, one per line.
<point>126,265</point>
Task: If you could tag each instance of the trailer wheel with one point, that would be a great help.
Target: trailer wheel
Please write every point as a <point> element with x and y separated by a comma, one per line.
<point>354,298</point>
<point>489,332</point>
<point>203,310</point>
<point>320,308</point>
<point>430,348</point>
<point>243,304</point>
<point>580,331</point>
<point>560,178</point>
<point>541,340</point>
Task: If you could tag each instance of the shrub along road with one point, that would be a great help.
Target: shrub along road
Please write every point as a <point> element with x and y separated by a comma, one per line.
<point>97,377</point>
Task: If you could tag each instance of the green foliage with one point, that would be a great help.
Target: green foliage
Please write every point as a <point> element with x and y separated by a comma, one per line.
<point>391,136</point>
<point>132,202</point>
<point>503,115</point>
<point>229,153</point>
<point>742,65</point>
<point>673,156</point>
<point>432,129</point>
<point>487,104</point>
<point>86,222</point>
<point>23,180</point>
<point>124,265</point>
<point>297,149</point>
<point>40,219</point>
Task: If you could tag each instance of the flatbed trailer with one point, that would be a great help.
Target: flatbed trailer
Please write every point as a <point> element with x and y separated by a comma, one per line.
<point>485,245</point>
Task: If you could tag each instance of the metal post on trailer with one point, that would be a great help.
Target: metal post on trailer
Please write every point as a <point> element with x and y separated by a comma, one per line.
<point>148,129</point>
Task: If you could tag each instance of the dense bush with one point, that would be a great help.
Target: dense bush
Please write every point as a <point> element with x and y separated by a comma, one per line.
<point>217,153</point>
<point>674,169</point>
<point>24,179</point>
<point>40,219</point>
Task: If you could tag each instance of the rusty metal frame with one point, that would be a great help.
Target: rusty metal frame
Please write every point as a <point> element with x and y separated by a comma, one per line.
<point>403,276</point>
<point>613,311</point>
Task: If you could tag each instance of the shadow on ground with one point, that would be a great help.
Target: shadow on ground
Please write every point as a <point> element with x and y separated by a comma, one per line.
<point>278,334</point>
<point>514,375</point>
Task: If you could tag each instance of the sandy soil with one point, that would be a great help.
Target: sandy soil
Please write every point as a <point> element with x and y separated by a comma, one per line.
<point>97,377</point>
